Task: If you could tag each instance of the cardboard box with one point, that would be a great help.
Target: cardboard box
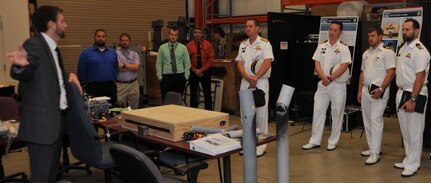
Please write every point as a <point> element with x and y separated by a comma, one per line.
<point>171,121</point>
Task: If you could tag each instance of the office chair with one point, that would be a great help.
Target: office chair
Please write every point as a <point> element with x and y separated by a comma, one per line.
<point>9,111</point>
<point>85,143</point>
<point>173,98</point>
<point>65,166</point>
<point>136,167</point>
<point>303,104</point>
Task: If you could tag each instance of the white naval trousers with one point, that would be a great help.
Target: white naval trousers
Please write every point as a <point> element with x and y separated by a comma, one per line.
<point>334,93</point>
<point>412,126</point>
<point>372,116</point>
<point>261,112</point>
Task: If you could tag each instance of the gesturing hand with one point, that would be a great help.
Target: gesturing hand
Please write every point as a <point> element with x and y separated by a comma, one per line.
<point>18,57</point>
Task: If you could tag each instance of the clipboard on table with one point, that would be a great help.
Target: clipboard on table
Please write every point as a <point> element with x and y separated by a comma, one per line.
<point>420,102</point>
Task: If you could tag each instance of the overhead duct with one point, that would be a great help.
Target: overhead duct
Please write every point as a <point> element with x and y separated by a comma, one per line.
<point>351,8</point>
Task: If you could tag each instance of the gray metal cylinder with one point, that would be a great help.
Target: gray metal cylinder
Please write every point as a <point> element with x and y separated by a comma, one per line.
<point>249,135</point>
<point>282,117</point>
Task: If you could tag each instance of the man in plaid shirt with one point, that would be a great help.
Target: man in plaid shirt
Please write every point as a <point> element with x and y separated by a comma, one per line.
<point>128,63</point>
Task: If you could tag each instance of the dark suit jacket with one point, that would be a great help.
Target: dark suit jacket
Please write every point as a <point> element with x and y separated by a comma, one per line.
<point>39,91</point>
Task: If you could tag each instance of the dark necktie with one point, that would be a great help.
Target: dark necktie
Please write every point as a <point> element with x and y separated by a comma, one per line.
<point>173,59</point>
<point>199,59</point>
<point>60,63</point>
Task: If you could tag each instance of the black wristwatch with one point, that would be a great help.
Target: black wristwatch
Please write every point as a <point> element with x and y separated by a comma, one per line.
<point>413,98</point>
<point>124,66</point>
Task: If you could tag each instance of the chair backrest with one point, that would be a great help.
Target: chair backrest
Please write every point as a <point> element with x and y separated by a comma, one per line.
<point>134,166</point>
<point>173,98</point>
<point>84,145</point>
<point>8,108</point>
<point>304,101</point>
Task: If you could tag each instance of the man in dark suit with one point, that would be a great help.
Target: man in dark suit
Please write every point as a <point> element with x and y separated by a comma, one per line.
<point>39,67</point>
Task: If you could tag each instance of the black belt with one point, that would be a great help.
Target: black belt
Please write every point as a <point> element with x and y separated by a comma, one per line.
<point>172,75</point>
<point>101,83</point>
<point>131,81</point>
<point>64,111</point>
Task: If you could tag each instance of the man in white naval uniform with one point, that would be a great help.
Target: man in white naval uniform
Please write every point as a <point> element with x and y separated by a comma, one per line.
<point>412,73</point>
<point>377,70</point>
<point>253,49</point>
<point>330,89</point>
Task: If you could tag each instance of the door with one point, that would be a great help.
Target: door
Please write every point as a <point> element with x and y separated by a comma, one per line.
<point>3,73</point>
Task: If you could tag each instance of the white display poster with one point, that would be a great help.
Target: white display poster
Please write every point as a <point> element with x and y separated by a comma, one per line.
<point>392,22</point>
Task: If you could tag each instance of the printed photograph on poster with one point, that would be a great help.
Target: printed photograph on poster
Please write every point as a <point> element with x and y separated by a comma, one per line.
<point>391,28</point>
<point>391,43</point>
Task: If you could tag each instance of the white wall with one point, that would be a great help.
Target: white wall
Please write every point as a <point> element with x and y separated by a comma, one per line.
<point>16,27</point>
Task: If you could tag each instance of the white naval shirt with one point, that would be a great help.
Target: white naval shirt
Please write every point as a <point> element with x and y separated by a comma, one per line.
<point>375,62</point>
<point>260,49</point>
<point>411,59</point>
<point>329,56</point>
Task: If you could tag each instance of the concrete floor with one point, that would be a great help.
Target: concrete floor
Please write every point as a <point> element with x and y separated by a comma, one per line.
<point>345,164</point>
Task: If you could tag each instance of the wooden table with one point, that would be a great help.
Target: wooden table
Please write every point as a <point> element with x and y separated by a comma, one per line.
<point>185,147</point>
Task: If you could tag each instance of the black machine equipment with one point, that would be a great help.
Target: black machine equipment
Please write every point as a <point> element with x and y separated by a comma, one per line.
<point>183,26</point>
<point>157,36</point>
<point>97,107</point>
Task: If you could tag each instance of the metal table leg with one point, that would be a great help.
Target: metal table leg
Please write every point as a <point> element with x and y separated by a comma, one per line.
<point>227,169</point>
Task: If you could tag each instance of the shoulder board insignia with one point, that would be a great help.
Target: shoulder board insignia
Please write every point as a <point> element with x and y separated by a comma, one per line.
<point>343,43</point>
<point>324,42</point>
<point>264,40</point>
<point>243,40</point>
<point>419,46</point>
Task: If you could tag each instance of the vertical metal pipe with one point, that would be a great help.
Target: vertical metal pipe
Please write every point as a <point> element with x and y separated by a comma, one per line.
<point>282,6</point>
<point>230,8</point>
<point>187,11</point>
<point>282,117</point>
<point>230,15</point>
<point>205,14</point>
<point>198,13</point>
<point>249,135</point>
